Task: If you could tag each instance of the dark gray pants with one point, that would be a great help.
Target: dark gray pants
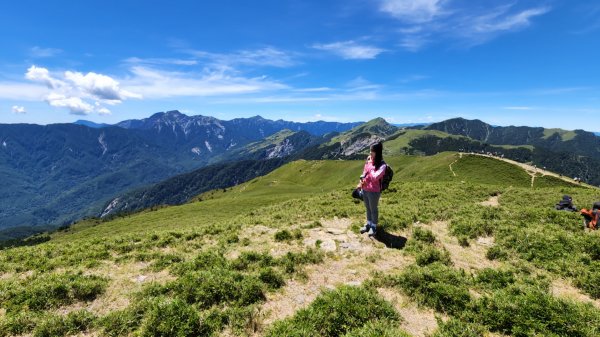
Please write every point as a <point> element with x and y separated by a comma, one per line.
<point>372,204</point>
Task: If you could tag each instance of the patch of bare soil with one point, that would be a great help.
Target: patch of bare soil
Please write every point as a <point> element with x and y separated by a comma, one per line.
<point>468,258</point>
<point>125,280</point>
<point>351,260</point>
<point>418,322</point>
<point>491,202</point>
<point>562,288</point>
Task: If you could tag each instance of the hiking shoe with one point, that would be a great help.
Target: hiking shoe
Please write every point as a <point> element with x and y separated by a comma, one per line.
<point>364,228</point>
<point>371,232</point>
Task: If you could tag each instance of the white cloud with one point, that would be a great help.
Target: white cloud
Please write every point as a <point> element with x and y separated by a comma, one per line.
<point>413,78</point>
<point>318,89</point>
<point>39,52</point>
<point>74,89</point>
<point>18,109</point>
<point>415,11</point>
<point>104,112</point>
<point>518,108</point>
<point>42,75</point>
<point>423,22</point>
<point>75,104</point>
<point>268,56</point>
<point>153,83</point>
<point>99,86</point>
<point>361,84</point>
<point>500,20</point>
<point>351,50</point>
<point>161,61</point>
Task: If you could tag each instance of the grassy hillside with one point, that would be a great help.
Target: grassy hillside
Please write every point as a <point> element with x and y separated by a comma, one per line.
<point>398,144</point>
<point>377,126</point>
<point>565,135</point>
<point>280,256</point>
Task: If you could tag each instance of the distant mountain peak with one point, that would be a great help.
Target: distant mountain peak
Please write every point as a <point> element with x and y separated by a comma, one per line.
<point>91,124</point>
<point>377,121</point>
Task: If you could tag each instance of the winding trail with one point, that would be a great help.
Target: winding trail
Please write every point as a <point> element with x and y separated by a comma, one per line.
<point>450,166</point>
<point>534,170</point>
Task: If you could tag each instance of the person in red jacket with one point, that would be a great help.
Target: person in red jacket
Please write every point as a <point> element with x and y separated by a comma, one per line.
<point>370,182</point>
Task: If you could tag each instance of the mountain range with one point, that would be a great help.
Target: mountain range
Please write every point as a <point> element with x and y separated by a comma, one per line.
<point>57,173</point>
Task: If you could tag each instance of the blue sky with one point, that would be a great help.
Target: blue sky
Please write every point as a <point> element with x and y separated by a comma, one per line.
<point>520,62</point>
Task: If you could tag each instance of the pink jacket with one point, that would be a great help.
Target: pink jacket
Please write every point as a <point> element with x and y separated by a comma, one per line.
<point>372,177</point>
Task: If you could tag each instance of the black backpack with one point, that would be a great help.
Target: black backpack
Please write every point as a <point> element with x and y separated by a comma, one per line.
<point>387,177</point>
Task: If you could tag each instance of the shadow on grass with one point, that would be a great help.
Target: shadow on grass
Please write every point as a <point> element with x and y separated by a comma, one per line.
<point>390,240</point>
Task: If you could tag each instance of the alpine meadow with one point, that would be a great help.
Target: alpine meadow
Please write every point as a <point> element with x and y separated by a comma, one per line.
<point>300,168</point>
<point>470,247</point>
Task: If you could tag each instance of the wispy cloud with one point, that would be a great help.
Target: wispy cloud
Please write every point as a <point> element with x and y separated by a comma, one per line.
<point>423,22</point>
<point>521,108</point>
<point>155,83</point>
<point>351,50</point>
<point>362,84</point>
<point>18,109</point>
<point>161,61</point>
<point>39,52</point>
<point>413,78</point>
<point>319,89</point>
<point>263,57</point>
<point>415,11</point>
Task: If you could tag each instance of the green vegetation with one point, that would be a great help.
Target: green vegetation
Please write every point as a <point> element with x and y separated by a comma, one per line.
<point>376,126</point>
<point>330,315</point>
<point>214,261</point>
<point>564,135</point>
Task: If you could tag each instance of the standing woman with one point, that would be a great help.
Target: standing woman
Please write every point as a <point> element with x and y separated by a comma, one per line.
<point>370,182</point>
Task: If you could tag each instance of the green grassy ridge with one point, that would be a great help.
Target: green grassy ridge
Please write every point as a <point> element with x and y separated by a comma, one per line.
<point>486,170</point>
<point>565,135</point>
<point>377,126</point>
<point>305,192</point>
<point>307,178</point>
<point>398,143</point>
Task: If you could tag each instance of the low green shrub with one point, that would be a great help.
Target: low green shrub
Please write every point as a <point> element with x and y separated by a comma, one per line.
<point>528,310</point>
<point>72,323</point>
<point>283,235</point>
<point>208,288</point>
<point>252,260</point>
<point>429,254</point>
<point>489,278</point>
<point>589,281</point>
<point>167,317</point>
<point>46,291</point>
<point>203,261</point>
<point>123,322</point>
<point>291,261</point>
<point>335,313</point>
<point>436,286</point>
<point>164,261</point>
<point>19,323</point>
<point>423,235</point>
<point>458,328</point>
<point>271,278</point>
<point>496,252</point>
<point>380,328</point>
